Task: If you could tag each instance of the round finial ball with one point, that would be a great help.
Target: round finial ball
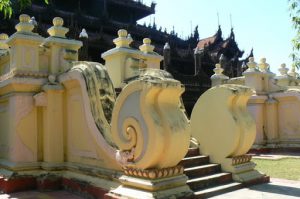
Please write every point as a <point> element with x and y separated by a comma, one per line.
<point>3,36</point>
<point>147,41</point>
<point>218,65</point>
<point>58,21</point>
<point>122,33</point>
<point>52,78</point>
<point>24,18</point>
<point>283,65</point>
<point>263,60</point>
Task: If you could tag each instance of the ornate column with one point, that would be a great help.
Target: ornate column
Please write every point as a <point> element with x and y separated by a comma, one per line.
<point>283,79</point>
<point>294,75</point>
<point>4,54</point>
<point>124,63</point>
<point>24,44</point>
<point>152,59</point>
<point>218,78</point>
<point>62,50</point>
<point>116,57</point>
<point>51,102</point>
<point>272,121</point>
<point>253,77</point>
<point>268,76</point>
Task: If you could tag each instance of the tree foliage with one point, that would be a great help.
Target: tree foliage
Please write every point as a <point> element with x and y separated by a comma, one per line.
<point>294,7</point>
<point>6,6</point>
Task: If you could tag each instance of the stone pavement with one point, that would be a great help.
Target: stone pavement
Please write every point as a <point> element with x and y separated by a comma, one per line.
<point>276,156</point>
<point>277,189</point>
<point>40,195</point>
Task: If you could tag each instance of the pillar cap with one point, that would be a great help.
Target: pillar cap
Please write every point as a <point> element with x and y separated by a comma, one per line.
<point>57,30</point>
<point>3,38</point>
<point>124,39</point>
<point>283,70</point>
<point>147,47</point>
<point>24,24</point>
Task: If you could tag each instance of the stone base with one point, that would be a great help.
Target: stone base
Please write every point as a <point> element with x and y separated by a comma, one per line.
<point>243,171</point>
<point>16,184</point>
<point>262,179</point>
<point>51,183</point>
<point>137,188</point>
<point>92,183</point>
<point>248,176</point>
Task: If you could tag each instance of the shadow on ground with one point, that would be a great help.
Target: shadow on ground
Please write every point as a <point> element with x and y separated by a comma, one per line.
<point>278,189</point>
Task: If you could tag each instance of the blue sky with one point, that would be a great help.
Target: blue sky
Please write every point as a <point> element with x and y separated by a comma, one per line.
<point>262,24</point>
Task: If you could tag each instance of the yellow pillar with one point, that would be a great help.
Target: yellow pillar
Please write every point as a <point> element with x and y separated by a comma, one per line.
<point>272,121</point>
<point>62,50</point>
<point>53,125</point>
<point>253,77</point>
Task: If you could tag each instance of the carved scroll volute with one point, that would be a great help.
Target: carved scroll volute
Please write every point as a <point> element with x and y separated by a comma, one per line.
<point>148,125</point>
<point>222,124</point>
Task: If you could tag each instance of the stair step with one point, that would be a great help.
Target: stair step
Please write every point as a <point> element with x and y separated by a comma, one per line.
<point>216,190</point>
<point>193,152</point>
<point>209,181</point>
<point>194,161</point>
<point>202,170</point>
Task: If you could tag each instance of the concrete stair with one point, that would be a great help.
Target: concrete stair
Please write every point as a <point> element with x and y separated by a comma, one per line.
<point>206,179</point>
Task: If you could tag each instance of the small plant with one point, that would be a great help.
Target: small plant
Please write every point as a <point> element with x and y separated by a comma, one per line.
<point>294,7</point>
<point>6,6</point>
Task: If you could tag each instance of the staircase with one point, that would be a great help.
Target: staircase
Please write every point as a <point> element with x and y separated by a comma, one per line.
<point>206,179</point>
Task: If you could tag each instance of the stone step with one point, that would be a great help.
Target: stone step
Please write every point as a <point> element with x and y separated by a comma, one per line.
<point>209,181</point>
<point>202,170</point>
<point>217,190</point>
<point>193,152</point>
<point>194,161</point>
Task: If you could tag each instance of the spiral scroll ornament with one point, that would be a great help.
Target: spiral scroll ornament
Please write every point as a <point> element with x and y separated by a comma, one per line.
<point>148,124</point>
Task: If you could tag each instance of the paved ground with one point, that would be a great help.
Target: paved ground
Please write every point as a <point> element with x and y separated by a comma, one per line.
<point>276,156</point>
<point>277,189</point>
<point>40,195</point>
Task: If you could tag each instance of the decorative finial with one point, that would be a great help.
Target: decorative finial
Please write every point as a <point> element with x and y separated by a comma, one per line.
<point>218,78</point>
<point>24,25</point>
<point>122,33</point>
<point>83,34</point>
<point>147,47</point>
<point>123,41</point>
<point>167,46</point>
<point>58,21</point>
<point>283,70</point>
<point>3,38</point>
<point>57,30</point>
<point>147,41</point>
<point>24,18</point>
<point>263,65</point>
<point>218,69</point>
<point>252,66</point>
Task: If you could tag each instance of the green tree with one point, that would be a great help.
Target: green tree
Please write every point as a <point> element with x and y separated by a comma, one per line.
<point>294,7</point>
<point>6,6</point>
